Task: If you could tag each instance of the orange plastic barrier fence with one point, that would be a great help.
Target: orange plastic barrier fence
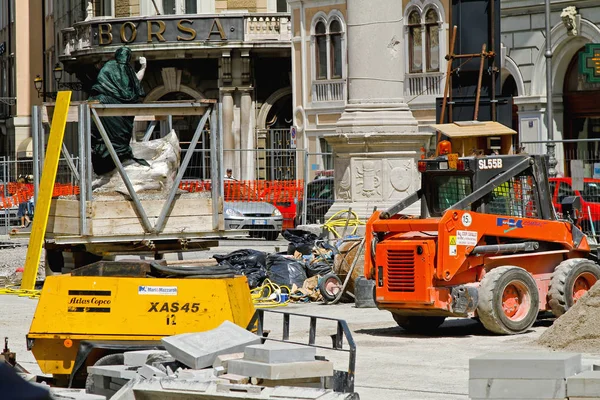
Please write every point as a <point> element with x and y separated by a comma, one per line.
<point>22,192</point>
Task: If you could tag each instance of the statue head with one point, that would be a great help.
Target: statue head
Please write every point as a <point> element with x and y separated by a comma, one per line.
<point>123,55</point>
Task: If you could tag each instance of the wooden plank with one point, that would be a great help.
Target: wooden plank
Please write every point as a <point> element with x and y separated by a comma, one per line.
<point>62,226</point>
<point>146,118</point>
<point>194,263</point>
<point>125,209</point>
<point>64,208</point>
<point>132,226</point>
<point>42,207</point>
<point>48,109</point>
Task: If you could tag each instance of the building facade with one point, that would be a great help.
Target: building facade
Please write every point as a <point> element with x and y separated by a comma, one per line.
<point>22,35</point>
<point>235,51</point>
<point>321,51</point>
<point>320,64</point>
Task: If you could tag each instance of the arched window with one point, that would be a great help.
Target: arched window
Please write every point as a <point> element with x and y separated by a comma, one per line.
<point>415,43</point>
<point>432,34</point>
<point>321,50</point>
<point>335,37</point>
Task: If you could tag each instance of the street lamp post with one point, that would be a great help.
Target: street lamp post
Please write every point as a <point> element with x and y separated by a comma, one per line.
<point>57,72</point>
<point>550,145</point>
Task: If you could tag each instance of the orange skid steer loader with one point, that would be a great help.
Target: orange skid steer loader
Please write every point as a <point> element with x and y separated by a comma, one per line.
<point>487,244</point>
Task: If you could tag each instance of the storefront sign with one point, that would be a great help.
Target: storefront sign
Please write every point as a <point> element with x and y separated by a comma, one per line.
<point>589,62</point>
<point>164,30</point>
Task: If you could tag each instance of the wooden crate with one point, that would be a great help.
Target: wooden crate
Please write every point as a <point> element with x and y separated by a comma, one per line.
<point>118,217</point>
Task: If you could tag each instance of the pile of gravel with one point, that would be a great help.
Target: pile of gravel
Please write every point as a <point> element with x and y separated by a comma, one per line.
<point>578,329</point>
<point>13,258</point>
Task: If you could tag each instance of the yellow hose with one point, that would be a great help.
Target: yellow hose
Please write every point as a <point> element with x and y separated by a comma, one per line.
<point>32,294</point>
<point>262,300</point>
<point>336,222</point>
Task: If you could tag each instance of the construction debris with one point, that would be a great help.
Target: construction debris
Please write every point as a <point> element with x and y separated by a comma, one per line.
<point>227,362</point>
<point>579,328</point>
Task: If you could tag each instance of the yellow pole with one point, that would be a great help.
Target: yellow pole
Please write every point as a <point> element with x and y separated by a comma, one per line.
<point>42,208</point>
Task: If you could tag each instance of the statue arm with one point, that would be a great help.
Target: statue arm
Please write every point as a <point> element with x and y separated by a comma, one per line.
<point>140,74</point>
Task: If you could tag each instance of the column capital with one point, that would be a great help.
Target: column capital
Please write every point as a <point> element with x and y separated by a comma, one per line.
<point>227,89</point>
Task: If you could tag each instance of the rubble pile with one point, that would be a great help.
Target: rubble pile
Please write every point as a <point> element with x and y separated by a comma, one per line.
<point>298,269</point>
<point>579,328</point>
<point>227,362</point>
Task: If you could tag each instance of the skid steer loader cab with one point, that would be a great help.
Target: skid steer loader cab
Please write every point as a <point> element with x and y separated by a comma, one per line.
<point>487,243</point>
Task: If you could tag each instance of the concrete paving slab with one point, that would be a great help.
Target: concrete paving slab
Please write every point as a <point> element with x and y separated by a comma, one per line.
<point>116,371</point>
<point>200,375</point>
<point>525,365</point>
<point>517,388</point>
<point>585,384</point>
<point>222,359</point>
<point>115,386</point>
<point>199,350</point>
<point>120,381</point>
<point>305,369</point>
<point>139,358</point>
<point>277,352</point>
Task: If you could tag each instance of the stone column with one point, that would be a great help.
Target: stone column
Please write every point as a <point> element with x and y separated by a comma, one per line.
<point>377,143</point>
<point>247,134</point>
<point>228,139</point>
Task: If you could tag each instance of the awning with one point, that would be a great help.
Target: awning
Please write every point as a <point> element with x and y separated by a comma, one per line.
<point>465,129</point>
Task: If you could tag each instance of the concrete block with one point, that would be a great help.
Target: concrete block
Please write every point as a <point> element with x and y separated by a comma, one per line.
<point>73,394</point>
<point>276,352</point>
<point>199,350</point>
<point>525,365</point>
<point>115,386</point>
<point>222,359</point>
<point>517,388</point>
<point>104,393</point>
<point>148,371</point>
<point>139,358</point>
<point>305,369</point>
<point>299,393</point>
<point>585,384</point>
<point>101,382</point>
<point>218,371</point>
<point>115,371</point>
<point>165,384</point>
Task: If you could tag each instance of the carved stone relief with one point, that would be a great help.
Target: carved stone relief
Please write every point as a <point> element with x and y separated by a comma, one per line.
<point>400,174</point>
<point>368,179</point>
<point>343,180</point>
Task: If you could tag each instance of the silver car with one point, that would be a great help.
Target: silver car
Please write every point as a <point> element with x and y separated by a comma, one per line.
<point>260,218</point>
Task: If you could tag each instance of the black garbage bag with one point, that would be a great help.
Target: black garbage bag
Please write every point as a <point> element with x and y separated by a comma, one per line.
<point>285,271</point>
<point>318,268</point>
<point>301,241</point>
<point>251,263</point>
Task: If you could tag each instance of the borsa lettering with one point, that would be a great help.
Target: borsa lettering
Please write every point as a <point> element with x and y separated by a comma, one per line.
<point>94,301</point>
<point>174,307</point>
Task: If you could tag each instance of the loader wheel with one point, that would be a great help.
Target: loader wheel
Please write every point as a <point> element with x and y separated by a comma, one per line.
<point>111,359</point>
<point>421,325</point>
<point>508,300</point>
<point>571,280</point>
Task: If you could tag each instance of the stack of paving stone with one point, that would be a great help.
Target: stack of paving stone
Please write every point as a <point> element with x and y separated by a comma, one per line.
<point>73,394</point>
<point>226,362</point>
<point>532,376</point>
<point>584,386</point>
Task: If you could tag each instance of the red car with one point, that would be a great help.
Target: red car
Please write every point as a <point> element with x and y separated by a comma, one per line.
<point>590,200</point>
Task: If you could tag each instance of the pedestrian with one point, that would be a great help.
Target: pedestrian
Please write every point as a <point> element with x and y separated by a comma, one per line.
<point>23,212</point>
<point>229,174</point>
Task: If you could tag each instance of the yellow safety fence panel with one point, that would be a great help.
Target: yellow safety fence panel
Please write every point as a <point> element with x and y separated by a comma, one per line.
<point>42,207</point>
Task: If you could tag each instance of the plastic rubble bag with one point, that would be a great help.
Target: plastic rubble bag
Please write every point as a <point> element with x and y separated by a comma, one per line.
<point>301,241</point>
<point>318,268</point>
<point>251,263</point>
<point>285,271</point>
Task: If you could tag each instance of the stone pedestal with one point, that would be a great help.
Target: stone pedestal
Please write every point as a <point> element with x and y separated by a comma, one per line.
<point>377,143</point>
<point>228,134</point>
